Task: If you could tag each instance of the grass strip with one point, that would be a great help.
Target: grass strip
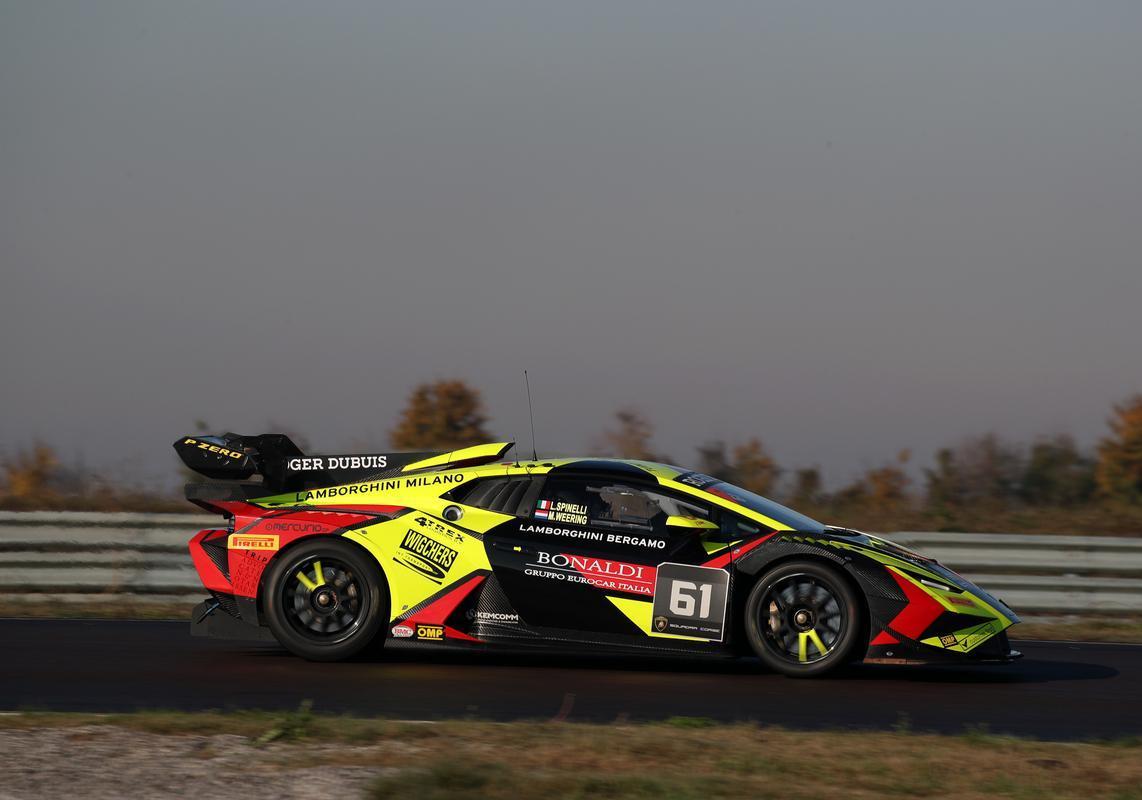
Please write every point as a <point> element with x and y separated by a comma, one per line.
<point>680,758</point>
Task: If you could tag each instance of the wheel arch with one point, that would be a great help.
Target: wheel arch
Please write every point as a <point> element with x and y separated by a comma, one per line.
<point>751,569</point>
<point>304,540</point>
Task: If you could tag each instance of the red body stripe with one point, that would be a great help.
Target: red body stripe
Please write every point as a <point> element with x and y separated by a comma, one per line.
<point>920,612</point>
<point>884,637</point>
<point>737,552</point>
<point>452,633</point>
<point>437,612</point>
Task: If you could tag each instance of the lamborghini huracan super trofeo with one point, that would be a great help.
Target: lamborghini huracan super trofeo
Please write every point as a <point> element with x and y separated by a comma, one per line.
<point>332,554</point>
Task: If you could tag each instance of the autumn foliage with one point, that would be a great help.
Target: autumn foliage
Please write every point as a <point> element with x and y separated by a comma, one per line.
<point>445,415</point>
<point>31,471</point>
<point>1119,471</point>
<point>630,437</point>
<point>979,483</point>
<point>749,465</point>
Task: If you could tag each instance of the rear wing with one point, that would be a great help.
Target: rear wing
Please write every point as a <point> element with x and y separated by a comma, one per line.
<point>283,467</point>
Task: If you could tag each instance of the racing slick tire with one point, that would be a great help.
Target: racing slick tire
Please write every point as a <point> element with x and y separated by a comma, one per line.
<point>802,618</point>
<point>325,600</point>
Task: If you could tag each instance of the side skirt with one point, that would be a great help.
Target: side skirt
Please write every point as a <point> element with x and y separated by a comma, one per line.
<point>209,620</point>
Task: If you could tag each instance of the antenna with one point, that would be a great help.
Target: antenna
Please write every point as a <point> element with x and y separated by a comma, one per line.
<point>531,415</point>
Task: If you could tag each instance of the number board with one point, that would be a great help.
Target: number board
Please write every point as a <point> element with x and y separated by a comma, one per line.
<point>690,601</point>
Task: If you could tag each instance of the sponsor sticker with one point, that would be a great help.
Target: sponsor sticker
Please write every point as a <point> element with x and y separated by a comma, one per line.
<point>425,555</point>
<point>430,633</point>
<point>441,528</point>
<point>602,573</point>
<point>585,535</point>
<point>696,479</point>
<point>295,527</point>
<point>969,639</point>
<point>322,463</point>
<point>213,448</point>
<point>240,541</point>
<point>392,484</point>
<point>403,632</point>
<point>949,640</point>
<point>492,616</point>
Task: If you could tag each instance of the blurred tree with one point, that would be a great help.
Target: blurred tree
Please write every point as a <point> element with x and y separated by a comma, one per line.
<point>855,494</point>
<point>1119,471</point>
<point>806,488</point>
<point>989,468</point>
<point>981,469</point>
<point>944,486</point>
<point>887,486</point>
<point>631,439</point>
<point>753,468</point>
<point>713,461</point>
<point>879,489</point>
<point>31,472</point>
<point>1057,474</point>
<point>445,415</point>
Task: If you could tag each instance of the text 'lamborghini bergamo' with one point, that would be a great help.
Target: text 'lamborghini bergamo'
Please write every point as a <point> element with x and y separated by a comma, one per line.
<point>331,555</point>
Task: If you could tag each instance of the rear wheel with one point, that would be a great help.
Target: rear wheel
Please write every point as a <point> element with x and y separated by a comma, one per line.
<point>325,600</point>
<point>802,619</point>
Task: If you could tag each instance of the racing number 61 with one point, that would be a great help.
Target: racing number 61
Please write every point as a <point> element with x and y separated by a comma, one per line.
<point>690,601</point>
<point>682,599</point>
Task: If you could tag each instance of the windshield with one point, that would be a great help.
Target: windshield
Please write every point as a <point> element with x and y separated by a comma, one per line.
<point>754,502</point>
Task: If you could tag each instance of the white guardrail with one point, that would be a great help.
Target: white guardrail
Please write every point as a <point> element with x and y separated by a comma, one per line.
<point>88,556</point>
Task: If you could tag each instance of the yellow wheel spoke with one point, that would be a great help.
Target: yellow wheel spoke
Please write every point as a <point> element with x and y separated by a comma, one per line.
<point>803,640</point>
<point>317,573</point>
<point>815,638</point>
<point>305,581</point>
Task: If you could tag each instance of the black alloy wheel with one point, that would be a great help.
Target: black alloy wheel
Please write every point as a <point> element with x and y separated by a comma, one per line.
<point>325,600</point>
<point>803,618</point>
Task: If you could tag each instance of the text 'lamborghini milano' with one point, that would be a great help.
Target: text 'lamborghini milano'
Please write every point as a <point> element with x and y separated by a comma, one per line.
<point>332,554</point>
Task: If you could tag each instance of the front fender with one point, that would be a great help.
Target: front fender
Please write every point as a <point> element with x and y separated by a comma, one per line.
<point>916,609</point>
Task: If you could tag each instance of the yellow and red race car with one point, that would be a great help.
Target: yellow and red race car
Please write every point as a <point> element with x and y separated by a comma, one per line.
<point>332,554</point>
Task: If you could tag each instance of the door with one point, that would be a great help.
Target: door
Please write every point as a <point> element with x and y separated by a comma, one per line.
<point>611,560</point>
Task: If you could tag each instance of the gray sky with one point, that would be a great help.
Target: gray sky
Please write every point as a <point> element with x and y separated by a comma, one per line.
<point>844,227</point>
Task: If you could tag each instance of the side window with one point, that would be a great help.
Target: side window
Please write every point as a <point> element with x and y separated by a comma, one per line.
<point>734,527</point>
<point>611,504</point>
<point>513,496</point>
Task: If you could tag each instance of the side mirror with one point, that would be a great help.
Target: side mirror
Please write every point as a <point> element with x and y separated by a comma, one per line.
<point>690,523</point>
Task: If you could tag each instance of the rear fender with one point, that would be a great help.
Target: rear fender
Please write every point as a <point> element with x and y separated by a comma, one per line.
<point>255,541</point>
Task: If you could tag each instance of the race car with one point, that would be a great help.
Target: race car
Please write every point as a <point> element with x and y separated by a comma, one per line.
<point>333,554</point>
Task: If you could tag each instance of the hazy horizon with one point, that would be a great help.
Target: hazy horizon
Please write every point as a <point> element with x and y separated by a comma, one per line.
<point>847,230</point>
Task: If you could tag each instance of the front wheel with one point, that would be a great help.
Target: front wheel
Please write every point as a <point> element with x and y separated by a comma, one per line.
<point>802,618</point>
<point>325,600</point>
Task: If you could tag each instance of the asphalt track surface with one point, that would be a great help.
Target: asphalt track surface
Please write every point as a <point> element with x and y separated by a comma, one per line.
<point>1058,690</point>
